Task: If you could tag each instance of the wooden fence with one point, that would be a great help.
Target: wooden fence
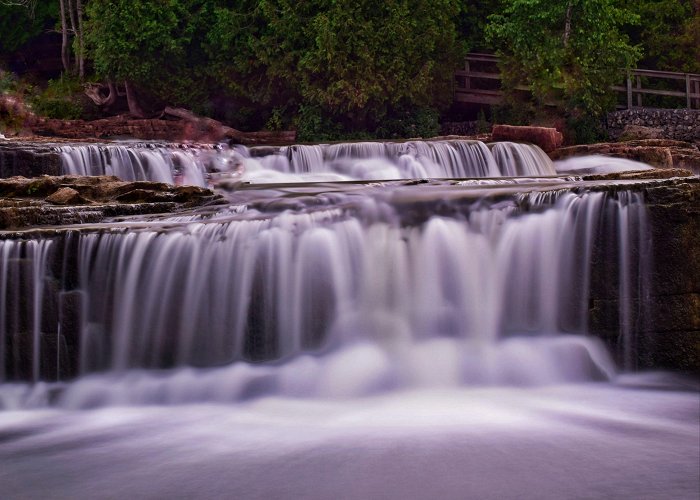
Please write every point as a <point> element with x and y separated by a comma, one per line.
<point>479,82</point>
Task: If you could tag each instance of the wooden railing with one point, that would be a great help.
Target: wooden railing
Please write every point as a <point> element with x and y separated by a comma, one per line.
<point>689,82</point>
<point>480,82</point>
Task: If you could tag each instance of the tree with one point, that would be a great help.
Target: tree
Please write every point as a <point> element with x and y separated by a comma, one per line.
<point>669,32</point>
<point>571,49</point>
<point>355,61</point>
<point>152,46</point>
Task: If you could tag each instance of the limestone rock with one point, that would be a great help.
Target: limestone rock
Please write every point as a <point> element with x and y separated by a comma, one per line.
<point>546,138</point>
<point>50,200</point>
<point>65,196</point>
<point>659,153</point>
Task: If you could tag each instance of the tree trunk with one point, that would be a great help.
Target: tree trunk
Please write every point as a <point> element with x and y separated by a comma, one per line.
<point>73,24</point>
<point>81,45</point>
<point>567,25</point>
<point>94,92</point>
<point>65,54</point>
<point>131,99</point>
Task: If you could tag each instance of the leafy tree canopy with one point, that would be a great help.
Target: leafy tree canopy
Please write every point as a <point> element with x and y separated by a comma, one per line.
<point>575,46</point>
<point>669,32</point>
<point>353,59</point>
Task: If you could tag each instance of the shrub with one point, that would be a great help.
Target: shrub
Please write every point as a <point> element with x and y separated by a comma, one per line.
<point>60,99</point>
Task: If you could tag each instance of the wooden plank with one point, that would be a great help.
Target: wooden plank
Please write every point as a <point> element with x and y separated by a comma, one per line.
<point>479,74</point>
<point>465,92</point>
<point>662,74</point>
<point>479,92</point>
<point>478,99</point>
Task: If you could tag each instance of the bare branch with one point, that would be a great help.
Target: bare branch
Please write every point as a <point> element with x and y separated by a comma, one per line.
<point>30,5</point>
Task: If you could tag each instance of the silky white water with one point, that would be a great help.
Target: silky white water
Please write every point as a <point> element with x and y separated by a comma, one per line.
<point>341,340</point>
<point>199,164</point>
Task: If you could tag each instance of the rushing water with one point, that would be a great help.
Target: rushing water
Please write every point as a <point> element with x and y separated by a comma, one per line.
<point>349,340</point>
<point>303,163</point>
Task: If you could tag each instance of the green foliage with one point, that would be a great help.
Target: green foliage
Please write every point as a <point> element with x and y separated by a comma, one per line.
<point>513,113</point>
<point>585,129</point>
<point>419,122</point>
<point>155,45</point>
<point>482,126</point>
<point>59,100</point>
<point>473,21</point>
<point>313,126</point>
<point>576,66</point>
<point>352,62</point>
<point>669,32</point>
<point>8,82</point>
<point>276,120</point>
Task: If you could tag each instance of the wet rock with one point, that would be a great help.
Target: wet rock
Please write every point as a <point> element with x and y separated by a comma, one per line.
<point>659,153</point>
<point>666,321</point>
<point>65,196</point>
<point>546,138</point>
<point>65,200</point>
<point>640,175</point>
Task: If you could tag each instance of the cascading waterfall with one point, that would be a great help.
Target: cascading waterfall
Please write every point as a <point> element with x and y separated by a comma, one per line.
<point>397,340</point>
<point>497,291</point>
<point>352,161</point>
<point>143,162</point>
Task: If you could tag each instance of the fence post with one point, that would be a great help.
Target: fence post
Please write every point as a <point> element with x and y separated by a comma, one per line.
<point>629,91</point>
<point>639,87</point>
<point>687,91</point>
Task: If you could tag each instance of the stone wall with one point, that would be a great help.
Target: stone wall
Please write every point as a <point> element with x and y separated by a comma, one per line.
<point>678,124</point>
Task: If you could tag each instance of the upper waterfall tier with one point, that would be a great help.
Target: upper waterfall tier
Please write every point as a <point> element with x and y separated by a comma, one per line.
<point>327,162</point>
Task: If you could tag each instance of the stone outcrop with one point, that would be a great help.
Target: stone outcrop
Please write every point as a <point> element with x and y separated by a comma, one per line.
<point>659,153</point>
<point>546,138</point>
<point>678,124</point>
<point>64,200</point>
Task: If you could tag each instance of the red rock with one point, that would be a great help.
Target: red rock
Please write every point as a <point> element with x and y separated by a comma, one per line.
<point>546,138</point>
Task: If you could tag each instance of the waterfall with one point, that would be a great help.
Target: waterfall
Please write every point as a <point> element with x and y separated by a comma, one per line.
<point>498,292</point>
<point>335,162</point>
<point>136,162</point>
<point>23,276</point>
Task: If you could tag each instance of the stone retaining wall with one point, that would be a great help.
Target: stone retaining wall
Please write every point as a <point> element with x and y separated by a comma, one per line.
<point>678,124</point>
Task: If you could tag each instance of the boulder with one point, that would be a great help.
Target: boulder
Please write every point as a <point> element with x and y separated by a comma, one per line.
<point>546,138</point>
<point>65,196</point>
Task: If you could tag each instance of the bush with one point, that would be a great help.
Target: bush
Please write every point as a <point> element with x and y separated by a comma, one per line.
<point>513,114</point>
<point>585,129</point>
<point>60,100</point>
<point>421,122</point>
<point>8,82</point>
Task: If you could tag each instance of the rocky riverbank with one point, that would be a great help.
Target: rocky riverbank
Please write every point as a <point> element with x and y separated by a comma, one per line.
<point>47,200</point>
<point>659,153</point>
